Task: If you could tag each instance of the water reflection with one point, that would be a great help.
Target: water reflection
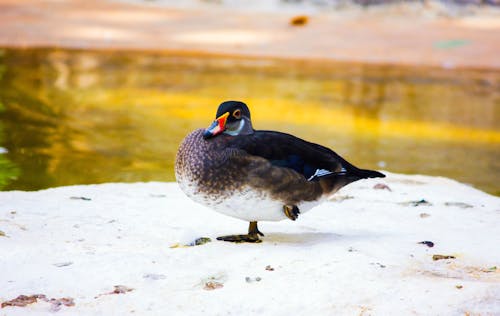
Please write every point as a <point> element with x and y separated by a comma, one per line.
<point>72,117</point>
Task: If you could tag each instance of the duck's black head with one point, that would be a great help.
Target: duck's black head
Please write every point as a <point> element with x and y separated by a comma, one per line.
<point>233,118</point>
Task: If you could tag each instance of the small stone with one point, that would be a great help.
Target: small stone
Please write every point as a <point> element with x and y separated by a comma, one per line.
<point>459,286</point>
<point>424,215</point>
<point>421,202</point>
<point>269,268</point>
<point>429,244</point>
<point>2,234</point>
<point>379,264</point>
<point>458,204</point>
<point>382,186</point>
<point>158,195</point>
<point>23,300</point>
<point>80,198</point>
<point>340,198</point>
<point>212,285</point>
<point>153,276</point>
<point>63,264</point>
<point>200,241</point>
<point>121,289</point>
<point>57,303</point>
<point>67,301</point>
<point>250,280</point>
<point>441,257</point>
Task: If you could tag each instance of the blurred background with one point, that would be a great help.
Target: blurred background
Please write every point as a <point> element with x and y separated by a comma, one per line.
<point>104,91</point>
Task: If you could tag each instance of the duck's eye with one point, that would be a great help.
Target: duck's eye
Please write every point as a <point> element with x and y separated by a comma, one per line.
<point>237,114</point>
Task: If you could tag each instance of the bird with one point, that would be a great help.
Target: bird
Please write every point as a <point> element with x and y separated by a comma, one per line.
<point>258,175</point>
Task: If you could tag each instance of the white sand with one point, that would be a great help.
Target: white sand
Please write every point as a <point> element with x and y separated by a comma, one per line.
<point>355,256</point>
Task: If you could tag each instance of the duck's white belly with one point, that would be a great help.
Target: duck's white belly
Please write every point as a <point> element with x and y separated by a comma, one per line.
<point>245,203</point>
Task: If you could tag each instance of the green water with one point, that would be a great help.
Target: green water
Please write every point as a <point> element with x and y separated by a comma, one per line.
<point>78,117</point>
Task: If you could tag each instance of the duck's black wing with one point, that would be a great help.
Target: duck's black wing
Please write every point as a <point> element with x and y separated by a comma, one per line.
<point>311,160</point>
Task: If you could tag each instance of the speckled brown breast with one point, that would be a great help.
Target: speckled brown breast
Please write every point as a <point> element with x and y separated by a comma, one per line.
<point>204,164</point>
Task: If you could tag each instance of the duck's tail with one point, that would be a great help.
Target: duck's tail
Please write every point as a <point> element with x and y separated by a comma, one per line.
<point>365,173</point>
<point>334,181</point>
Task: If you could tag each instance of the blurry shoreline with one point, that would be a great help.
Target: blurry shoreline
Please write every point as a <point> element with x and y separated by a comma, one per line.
<point>417,34</point>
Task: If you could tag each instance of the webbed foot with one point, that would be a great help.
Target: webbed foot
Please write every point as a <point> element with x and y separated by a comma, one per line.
<point>291,211</point>
<point>241,238</point>
<point>252,236</point>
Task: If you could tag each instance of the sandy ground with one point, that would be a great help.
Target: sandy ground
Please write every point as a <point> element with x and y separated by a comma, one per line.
<point>391,35</point>
<point>118,249</point>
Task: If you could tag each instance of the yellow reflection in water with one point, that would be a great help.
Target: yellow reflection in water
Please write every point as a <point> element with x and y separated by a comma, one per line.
<point>88,117</point>
<point>285,111</point>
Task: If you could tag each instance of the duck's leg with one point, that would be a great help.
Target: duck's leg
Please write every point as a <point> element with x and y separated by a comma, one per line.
<point>253,229</point>
<point>252,236</point>
<point>291,211</point>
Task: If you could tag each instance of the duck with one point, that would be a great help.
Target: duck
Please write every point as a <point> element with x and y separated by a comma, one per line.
<point>258,175</point>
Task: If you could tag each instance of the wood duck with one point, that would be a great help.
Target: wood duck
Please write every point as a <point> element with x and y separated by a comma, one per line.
<point>258,175</point>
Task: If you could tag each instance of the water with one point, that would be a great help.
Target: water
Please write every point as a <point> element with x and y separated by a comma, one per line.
<point>77,117</point>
